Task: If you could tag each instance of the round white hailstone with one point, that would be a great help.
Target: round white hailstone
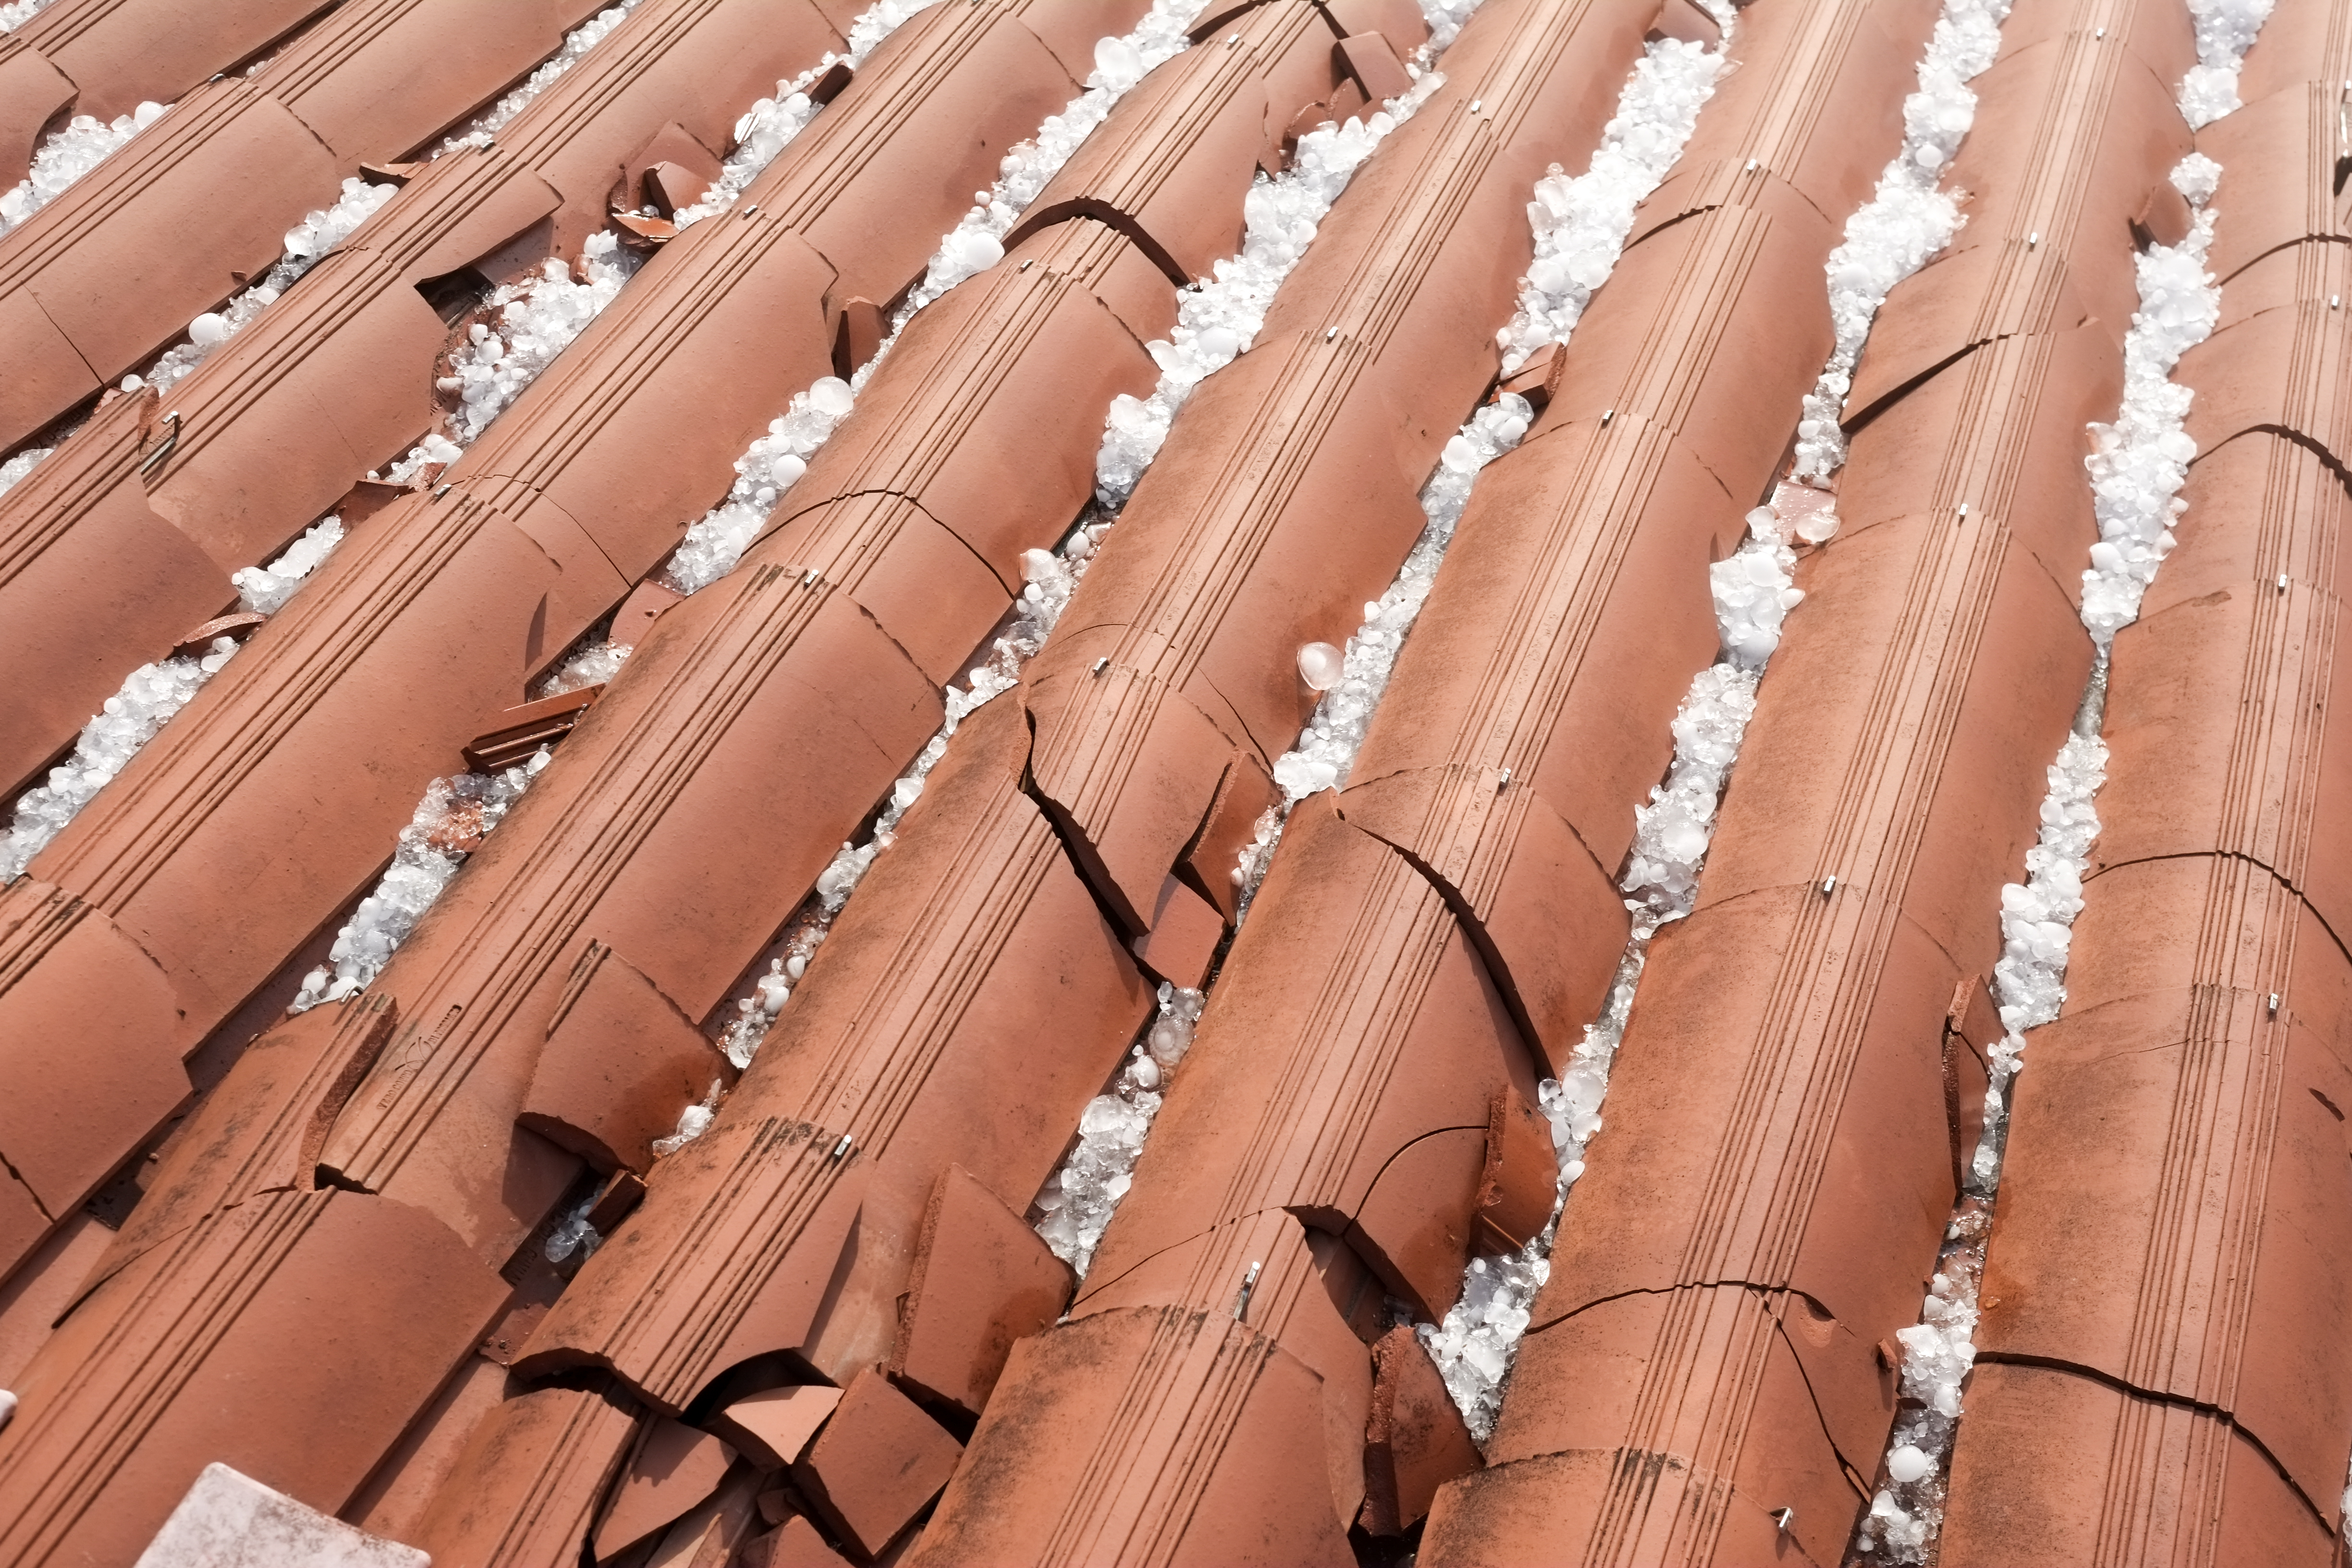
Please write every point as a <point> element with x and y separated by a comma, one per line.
<point>1119,61</point>
<point>1321,666</point>
<point>1907,1464</point>
<point>774,993</point>
<point>1146,1072</point>
<point>1819,529</point>
<point>208,328</point>
<point>146,114</point>
<point>830,395</point>
<point>1169,1040</point>
<point>975,251</point>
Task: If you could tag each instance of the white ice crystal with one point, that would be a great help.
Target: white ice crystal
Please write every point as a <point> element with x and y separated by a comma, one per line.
<point>576,44</point>
<point>977,242</point>
<point>1077,1201</point>
<point>716,541</point>
<point>757,1012</point>
<point>540,316</point>
<point>2225,31</point>
<point>1580,223</point>
<point>307,243</point>
<point>768,127</point>
<point>593,664</point>
<point>1580,227</point>
<point>772,464</point>
<point>2138,462</point>
<point>68,154</point>
<point>1279,219</point>
<point>2137,467</point>
<point>1908,219</point>
<point>1326,748</point>
<point>1218,318</point>
<point>149,696</point>
<point>1475,1345</point>
<point>265,589</point>
<point>16,12</point>
<point>450,824</point>
<point>692,1122</point>
<point>1444,19</point>
<point>573,1233</point>
<point>23,463</point>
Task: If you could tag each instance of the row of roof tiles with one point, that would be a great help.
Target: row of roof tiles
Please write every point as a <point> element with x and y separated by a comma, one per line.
<point>334,1279</point>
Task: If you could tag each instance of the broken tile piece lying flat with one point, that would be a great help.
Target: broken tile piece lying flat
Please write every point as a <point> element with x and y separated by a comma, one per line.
<point>230,1520</point>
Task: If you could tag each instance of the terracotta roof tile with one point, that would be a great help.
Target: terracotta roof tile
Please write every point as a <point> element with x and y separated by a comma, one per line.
<point>432,1260</point>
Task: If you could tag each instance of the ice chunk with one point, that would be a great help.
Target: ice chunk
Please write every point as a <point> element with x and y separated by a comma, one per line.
<point>318,234</point>
<point>692,1122</point>
<point>572,1233</point>
<point>575,46</point>
<point>1077,1201</point>
<point>1907,218</point>
<point>1581,225</point>
<point>448,825</point>
<point>68,154</point>
<point>2137,467</point>
<point>23,463</point>
<point>265,589</point>
<point>1321,666</point>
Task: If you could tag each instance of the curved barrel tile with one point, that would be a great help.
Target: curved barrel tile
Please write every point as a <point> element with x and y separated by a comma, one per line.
<point>291,782</point>
<point>110,271</point>
<point>1422,942</point>
<point>336,379</point>
<point>1776,1161</point>
<point>2167,1271</point>
<point>776,683</point>
<point>104,57</point>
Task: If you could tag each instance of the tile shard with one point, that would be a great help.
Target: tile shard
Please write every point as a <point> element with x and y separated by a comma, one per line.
<point>228,1518</point>
<point>981,1280</point>
<point>1415,1442</point>
<point>879,1461</point>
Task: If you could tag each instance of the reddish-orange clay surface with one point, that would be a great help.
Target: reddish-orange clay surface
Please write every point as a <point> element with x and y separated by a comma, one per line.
<point>890,1040</point>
